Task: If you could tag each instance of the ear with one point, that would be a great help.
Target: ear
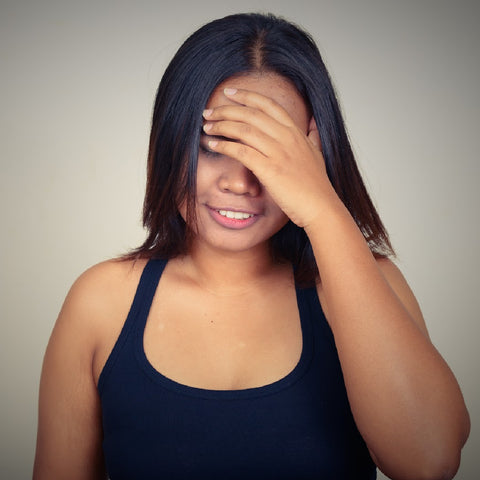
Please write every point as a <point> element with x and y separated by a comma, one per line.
<point>313,134</point>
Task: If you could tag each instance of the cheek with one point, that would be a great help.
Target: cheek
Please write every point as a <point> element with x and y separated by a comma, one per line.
<point>272,205</point>
<point>278,214</point>
<point>206,174</point>
<point>202,174</point>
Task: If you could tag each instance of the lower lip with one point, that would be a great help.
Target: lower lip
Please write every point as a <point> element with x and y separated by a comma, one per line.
<point>232,223</point>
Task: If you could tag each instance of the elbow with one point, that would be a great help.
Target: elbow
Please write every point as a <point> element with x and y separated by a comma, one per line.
<point>443,460</point>
<point>443,468</point>
<point>435,457</point>
<point>437,463</point>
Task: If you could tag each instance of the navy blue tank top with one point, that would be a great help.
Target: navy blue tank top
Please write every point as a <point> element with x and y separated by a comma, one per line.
<point>298,428</point>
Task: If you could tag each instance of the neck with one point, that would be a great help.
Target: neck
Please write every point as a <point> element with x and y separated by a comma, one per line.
<point>229,273</point>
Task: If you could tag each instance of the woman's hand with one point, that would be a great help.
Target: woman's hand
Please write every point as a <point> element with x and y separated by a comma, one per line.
<point>284,156</point>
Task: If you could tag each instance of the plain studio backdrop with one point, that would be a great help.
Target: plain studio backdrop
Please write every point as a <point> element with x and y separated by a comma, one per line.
<point>77,86</point>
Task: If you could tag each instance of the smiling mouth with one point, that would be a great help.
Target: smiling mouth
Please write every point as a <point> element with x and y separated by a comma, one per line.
<point>235,215</point>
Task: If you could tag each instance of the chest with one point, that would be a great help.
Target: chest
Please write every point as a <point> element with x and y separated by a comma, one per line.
<point>297,427</point>
<point>224,342</point>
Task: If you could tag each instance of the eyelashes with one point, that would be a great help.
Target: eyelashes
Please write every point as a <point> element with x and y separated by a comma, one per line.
<point>209,153</point>
<point>203,146</point>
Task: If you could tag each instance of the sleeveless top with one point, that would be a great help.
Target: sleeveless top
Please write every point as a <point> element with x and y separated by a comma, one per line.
<point>297,428</point>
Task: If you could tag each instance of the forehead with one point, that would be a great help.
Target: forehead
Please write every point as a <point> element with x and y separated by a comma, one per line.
<point>271,85</point>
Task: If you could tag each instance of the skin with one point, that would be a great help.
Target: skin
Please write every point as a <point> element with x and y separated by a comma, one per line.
<point>271,165</point>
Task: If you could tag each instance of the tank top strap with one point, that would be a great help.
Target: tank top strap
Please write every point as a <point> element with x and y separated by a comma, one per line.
<point>137,316</point>
<point>145,292</point>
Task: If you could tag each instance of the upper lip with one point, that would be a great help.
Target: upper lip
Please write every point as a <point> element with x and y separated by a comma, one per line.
<point>236,209</point>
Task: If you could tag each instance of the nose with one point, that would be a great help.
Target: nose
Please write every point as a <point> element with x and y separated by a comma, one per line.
<point>238,179</point>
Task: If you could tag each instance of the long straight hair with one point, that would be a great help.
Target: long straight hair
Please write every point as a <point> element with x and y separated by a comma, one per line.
<point>232,46</point>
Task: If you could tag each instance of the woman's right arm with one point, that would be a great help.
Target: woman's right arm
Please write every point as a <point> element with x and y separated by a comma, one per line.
<point>69,433</point>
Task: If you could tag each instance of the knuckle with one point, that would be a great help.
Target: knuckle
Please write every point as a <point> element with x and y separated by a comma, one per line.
<point>275,170</point>
<point>242,150</point>
<point>246,129</point>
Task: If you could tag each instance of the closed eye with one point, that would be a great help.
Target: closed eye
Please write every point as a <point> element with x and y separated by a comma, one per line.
<point>204,150</point>
<point>209,153</point>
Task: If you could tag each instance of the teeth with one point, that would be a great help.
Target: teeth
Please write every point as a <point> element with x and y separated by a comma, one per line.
<point>235,215</point>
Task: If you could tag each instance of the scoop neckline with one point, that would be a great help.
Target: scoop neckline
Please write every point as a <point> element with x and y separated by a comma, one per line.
<point>180,388</point>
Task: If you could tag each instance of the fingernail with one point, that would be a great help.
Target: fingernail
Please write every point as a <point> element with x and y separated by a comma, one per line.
<point>207,127</point>
<point>212,143</point>
<point>229,91</point>
<point>208,112</point>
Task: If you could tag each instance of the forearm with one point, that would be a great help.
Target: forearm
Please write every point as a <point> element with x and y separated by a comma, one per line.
<point>404,398</point>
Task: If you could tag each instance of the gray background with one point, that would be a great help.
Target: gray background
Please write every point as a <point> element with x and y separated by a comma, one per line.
<point>77,84</point>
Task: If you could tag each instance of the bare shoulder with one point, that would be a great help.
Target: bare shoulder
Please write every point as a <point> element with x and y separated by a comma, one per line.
<point>97,305</point>
<point>107,279</point>
<point>399,285</point>
<point>101,290</point>
<point>108,276</point>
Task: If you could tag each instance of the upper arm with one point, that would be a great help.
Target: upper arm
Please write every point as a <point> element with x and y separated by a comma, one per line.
<point>69,427</point>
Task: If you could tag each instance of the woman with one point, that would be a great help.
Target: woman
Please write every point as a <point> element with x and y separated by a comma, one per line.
<point>261,330</point>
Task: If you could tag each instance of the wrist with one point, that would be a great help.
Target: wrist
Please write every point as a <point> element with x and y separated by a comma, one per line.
<point>324,212</point>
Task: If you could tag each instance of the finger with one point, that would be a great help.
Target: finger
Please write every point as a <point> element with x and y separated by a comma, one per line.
<point>248,116</point>
<point>244,133</point>
<point>248,156</point>
<point>260,102</point>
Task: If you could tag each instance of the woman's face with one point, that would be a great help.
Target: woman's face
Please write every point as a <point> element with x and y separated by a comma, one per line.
<point>234,211</point>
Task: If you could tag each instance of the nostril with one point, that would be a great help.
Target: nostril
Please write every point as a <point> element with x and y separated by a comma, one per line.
<point>240,184</point>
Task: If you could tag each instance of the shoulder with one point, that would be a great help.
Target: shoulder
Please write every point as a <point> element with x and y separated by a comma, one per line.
<point>102,287</point>
<point>93,313</point>
<point>97,300</point>
<point>107,274</point>
<point>106,281</point>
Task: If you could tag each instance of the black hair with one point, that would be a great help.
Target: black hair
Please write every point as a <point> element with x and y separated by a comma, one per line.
<point>231,46</point>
